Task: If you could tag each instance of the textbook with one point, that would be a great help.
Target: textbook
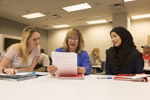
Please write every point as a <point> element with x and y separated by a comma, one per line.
<point>20,76</point>
<point>76,77</point>
<point>132,77</point>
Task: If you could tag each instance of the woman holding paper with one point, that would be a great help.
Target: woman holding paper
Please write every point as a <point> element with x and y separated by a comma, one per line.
<point>74,43</point>
<point>123,57</point>
<point>24,55</point>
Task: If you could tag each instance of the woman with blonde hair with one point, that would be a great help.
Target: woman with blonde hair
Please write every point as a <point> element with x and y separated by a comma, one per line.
<point>74,42</point>
<point>95,58</point>
<point>22,56</point>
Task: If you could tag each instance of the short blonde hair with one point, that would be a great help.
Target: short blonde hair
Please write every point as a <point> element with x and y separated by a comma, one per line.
<point>22,46</point>
<point>95,53</point>
<point>70,33</point>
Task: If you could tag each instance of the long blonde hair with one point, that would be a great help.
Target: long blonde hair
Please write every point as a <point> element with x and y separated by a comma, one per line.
<point>70,33</point>
<point>22,46</point>
<point>95,53</point>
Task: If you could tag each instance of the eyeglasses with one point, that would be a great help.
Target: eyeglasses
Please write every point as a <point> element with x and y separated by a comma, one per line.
<point>70,39</point>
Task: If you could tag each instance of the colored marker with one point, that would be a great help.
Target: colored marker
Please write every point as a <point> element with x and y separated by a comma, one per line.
<point>104,78</point>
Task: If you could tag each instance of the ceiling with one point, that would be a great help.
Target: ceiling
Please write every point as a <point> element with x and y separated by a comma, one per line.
<point>55,15</point>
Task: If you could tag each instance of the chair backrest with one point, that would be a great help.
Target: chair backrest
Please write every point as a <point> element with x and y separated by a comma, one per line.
<point>103,67</point>
<point>50,61</point>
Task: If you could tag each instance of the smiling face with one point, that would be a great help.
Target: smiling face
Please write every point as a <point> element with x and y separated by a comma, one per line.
<point>73,42</point>
<point>34,40</point>
<point>115,39</point>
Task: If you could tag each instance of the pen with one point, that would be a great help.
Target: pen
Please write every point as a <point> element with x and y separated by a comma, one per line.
<point>104,78</point>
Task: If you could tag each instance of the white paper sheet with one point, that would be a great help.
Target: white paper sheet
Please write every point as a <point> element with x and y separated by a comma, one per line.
<point>66,62</point>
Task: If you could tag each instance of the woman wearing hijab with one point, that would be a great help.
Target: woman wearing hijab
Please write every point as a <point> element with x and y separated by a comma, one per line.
<point>123,58</point>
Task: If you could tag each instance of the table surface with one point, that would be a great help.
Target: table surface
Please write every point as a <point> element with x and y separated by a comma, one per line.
<point>91,88</point>
<point>96,66</point>
<point>147,68</point>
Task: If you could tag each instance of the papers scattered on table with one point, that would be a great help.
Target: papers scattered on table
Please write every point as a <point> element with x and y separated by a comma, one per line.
<point>66,62</point>
<point>19,76</point>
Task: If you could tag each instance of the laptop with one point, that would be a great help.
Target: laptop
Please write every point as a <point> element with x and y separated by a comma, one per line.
<point>66,62</point>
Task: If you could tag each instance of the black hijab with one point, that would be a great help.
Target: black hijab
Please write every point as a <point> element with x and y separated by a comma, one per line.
<point>120,57</point>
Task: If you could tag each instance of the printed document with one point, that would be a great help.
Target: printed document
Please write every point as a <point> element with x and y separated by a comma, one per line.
<point>66,62</point>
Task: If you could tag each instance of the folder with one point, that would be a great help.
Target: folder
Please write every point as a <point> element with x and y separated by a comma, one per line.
<point>132,77</point>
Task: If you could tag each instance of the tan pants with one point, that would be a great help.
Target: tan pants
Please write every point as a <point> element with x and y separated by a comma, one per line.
<point>41,69</point>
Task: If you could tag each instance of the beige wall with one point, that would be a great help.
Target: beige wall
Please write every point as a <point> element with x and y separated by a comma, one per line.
<point>98,36</point>
<point>94,36</point>
<point>140,30</point>
<point>10,27</point>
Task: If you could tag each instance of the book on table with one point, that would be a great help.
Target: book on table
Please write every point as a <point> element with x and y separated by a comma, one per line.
<point>78,77</point>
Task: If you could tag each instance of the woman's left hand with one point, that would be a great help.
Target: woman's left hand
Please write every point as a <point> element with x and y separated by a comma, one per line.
<point>10,71</point>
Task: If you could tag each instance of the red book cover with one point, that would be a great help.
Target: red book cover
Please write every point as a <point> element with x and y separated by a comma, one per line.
<point>78,76</point>
<point>132,77</point>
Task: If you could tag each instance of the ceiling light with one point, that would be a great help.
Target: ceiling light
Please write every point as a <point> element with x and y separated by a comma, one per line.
<point>77,7</point>
<point>140,16</point>
<point>128,0</point>
<point>61,26</point>
<point>33,15</point>
<point>97,21</point>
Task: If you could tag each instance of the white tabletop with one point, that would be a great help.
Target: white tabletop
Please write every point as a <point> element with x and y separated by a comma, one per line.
<point>96,66</point>
<point>147,68</point>
<point>91,88</point>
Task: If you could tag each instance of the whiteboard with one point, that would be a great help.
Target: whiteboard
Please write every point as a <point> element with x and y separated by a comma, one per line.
<point>101,44</point>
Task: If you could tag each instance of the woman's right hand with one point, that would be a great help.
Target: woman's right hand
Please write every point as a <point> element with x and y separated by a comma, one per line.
<point>98,63</point>
<point>10,71</point>
<point>52,69</point>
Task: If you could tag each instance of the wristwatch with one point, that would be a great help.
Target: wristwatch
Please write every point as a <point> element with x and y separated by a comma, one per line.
<point>3,71</point>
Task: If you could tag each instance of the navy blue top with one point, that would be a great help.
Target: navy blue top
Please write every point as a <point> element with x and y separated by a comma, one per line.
<point>136,67</point>
<point>82,60</point>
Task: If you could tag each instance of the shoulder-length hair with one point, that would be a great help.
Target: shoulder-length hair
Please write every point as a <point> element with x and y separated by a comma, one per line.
<point>22,46</point>
<point>95,53</point>
<point>70,33</point>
